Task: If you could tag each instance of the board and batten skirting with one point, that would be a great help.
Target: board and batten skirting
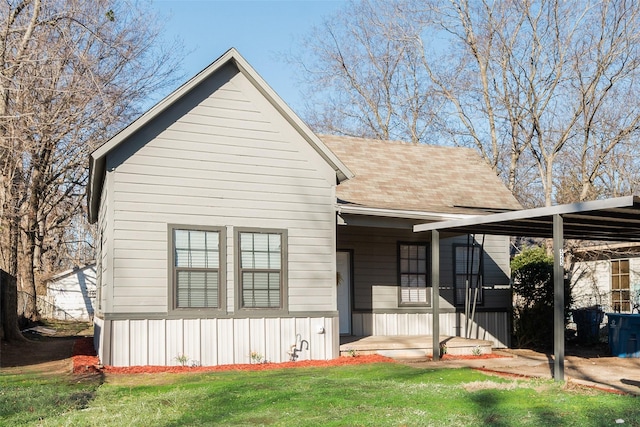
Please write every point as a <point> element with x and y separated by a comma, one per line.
<point>211,342</point>
<point>451,324</point>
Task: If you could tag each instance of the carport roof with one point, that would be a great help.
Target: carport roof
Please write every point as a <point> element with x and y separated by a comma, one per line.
<point>616,219</point>
<point>604,220</point>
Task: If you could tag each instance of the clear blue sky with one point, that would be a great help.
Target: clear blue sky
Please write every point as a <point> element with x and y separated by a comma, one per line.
<point>259,29</point>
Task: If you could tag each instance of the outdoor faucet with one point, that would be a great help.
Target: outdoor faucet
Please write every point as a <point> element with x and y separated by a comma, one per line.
<point>293,352</point>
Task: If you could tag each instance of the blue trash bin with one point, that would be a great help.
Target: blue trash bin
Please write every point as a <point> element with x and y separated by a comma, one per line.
<point>624,332</point>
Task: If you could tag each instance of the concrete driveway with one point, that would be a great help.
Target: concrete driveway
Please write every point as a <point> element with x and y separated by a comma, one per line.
<point>609,373</point>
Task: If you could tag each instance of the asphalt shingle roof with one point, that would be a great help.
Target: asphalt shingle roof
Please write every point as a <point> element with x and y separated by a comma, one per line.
<point>418,177</point>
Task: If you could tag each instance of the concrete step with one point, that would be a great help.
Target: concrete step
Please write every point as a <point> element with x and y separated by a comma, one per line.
<point>412,347</point>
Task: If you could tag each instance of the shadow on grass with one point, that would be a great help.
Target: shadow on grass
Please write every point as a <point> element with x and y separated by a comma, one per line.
<point>35,350</point>
<point>492,410</point>
<point>26,399</point>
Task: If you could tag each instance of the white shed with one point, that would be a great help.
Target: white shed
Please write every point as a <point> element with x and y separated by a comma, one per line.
<point>71,294</point>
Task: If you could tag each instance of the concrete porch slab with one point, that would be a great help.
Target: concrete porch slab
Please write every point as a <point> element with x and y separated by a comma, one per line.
<point>411,346</point>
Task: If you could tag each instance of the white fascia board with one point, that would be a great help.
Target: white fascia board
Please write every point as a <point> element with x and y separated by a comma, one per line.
<point>398,213</point>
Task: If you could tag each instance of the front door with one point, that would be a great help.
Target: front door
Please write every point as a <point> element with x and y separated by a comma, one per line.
<point>343,267</point>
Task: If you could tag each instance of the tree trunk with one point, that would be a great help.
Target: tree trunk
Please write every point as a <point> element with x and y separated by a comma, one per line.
<point>9,330</point>
<point>27,279</point>
<point>30,238</point>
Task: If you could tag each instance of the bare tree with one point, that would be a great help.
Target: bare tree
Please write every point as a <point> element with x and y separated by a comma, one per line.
<point>596,66</point>
<point>368,75</point>
<point>534,86</point>
<point>72,72</point>
<point>480,79</point>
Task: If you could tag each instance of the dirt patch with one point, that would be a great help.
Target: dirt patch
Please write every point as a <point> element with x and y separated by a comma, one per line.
<point>491,385</point>
<point>37,356</point>
<point>46,348</point>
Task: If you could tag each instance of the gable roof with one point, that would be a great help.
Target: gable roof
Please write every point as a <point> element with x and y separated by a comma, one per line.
<point>418,177</point>
<point>97,159</point>
<point>74,270</point>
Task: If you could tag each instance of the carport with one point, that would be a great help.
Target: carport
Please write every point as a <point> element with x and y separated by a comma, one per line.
<point>610,220</point>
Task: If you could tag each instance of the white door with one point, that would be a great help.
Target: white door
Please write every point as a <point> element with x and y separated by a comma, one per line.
<point>343,267</point>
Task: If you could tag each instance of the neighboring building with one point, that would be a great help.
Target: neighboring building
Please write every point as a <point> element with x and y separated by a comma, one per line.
<point>221,216</point>
<point>607,276</point>
<point>71,295</point>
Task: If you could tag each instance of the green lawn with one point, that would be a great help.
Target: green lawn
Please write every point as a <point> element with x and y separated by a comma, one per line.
<point>361,395</point>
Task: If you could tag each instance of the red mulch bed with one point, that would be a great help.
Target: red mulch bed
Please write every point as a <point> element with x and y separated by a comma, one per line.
<point>84,356</point>
<point>85,360</point>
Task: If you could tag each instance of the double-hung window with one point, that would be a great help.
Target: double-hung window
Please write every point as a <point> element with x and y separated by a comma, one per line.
<point>468,274</point>
<point>261,272</point>
<point>412,272</point>
<point>620,301</point>
<point>196,262</point>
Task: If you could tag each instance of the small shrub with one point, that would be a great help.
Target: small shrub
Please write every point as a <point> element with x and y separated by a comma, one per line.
<point>182,359</point>
<point>533,303</point>
<point>257,357</point>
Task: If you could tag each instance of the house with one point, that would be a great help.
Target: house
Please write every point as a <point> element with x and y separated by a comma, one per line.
<point>607,276</point>
<point>396,186</point>
<point>71,295</point>
<point>228,228</point>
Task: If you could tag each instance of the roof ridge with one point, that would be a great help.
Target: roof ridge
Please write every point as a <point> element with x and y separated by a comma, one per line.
<point>392,142</point>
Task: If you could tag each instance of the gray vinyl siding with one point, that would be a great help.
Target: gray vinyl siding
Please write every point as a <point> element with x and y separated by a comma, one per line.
<point>230,161</point>
<point>375,267</point>
<point>103,266</point>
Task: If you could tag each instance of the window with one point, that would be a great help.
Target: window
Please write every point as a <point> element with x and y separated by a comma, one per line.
<point>620,285</point>
<point>468,272</point>
<point>412,271</point>
<point>196,268</point>
<point>261,275</point>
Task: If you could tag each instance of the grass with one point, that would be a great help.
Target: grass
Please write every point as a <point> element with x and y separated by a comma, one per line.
<point>360,395</point>
<point>28,398</point>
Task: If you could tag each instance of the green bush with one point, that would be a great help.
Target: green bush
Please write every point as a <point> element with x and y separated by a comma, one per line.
<point>532,272</point>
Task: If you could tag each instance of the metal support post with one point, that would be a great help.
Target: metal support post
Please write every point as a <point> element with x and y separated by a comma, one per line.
<point>558,298</point>
<point>435,296</point>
